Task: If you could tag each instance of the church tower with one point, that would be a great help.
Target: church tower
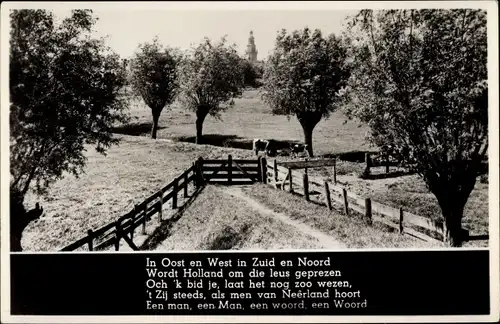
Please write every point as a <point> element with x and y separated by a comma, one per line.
<point>251,49</point>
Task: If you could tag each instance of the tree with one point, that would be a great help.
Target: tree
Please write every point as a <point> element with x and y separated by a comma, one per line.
<point>252,73</point>
<point>210,78</point>
<point>304,76</point>
<point>64,94</point>
<point>154,77</point>
<point>420,83</point>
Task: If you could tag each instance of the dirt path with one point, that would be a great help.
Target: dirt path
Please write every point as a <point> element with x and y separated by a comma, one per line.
<point>325,240</point>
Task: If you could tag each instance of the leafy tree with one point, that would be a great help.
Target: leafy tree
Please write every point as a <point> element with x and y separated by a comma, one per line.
<point>420,83</point>
<point>210,78</point>
<point>252,73</point>
<point>154,77</point>
<point>304,76</point>
<point>64,88</point>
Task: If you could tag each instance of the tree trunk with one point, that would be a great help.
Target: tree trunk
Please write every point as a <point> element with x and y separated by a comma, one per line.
<point>200,118</point>
<point>19,220</point>
<point>18,216</point>
<point>453,214</point>
<point>308,120</point>
<point>156,117</point>
<point>452,190</point>
<point>308,131</point>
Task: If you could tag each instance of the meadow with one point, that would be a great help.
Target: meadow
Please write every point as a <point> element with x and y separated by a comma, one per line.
<point>135,169</point>
<point>250,118</point>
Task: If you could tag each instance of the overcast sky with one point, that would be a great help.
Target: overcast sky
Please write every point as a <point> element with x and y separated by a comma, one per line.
<point>125,29</point>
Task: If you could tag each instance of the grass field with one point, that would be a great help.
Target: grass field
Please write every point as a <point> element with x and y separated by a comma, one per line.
<point>250,118</point>
<point>351,230</point>
<point>138,167</point>
<point>215,222</point>
<point>409,191</point>
<point>110,187</point>
<point>221,223</point>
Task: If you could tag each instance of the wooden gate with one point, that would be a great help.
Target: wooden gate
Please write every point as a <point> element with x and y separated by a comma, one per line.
<point>231,172</point>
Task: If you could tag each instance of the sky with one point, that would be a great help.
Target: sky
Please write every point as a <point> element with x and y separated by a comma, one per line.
<point>126,29</point>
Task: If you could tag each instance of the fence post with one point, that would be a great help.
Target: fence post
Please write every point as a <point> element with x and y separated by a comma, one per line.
<point>91,239</point>
<point>368,210</point>
<point>160,212</point>
<point>401,217</point>
<point>305,170</point>
<point>186,184</point>
<point>263,162</point>
<point>387,163</point>
<point>335,171</point>
<point>174,193</point>
<point>327,196</point>
<point>346,203</point>
<point>195,172</point>
<point>145,219</point>
<point>275,166</point>
<point>259,166</point>
<point>118,236</point>
<point>229,169</point>
<point>200,171</point>
<point>305,181</point>
<point>136,211</point>
<point>290,179</point>
<point>367,162</point>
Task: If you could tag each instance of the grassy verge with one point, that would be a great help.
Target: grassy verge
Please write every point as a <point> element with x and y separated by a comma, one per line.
<point>348,229</point>
<point>110,187</point>
<point>216,221</point>
<point>410,192</point>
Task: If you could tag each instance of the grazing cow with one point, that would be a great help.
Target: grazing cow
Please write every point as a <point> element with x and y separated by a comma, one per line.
<point>268,146</point>
<point>259,145</point>
<point>271,148</point>
<point>298,149</point>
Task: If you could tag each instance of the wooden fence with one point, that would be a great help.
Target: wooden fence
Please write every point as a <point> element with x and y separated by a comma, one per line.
<point>229,172</point>
<point>292,180</point>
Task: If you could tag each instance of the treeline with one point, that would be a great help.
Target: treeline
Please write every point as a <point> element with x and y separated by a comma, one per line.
<point>416,78</point>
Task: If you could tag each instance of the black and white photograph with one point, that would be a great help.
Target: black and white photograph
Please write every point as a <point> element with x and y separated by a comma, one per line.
<point>223,127</point>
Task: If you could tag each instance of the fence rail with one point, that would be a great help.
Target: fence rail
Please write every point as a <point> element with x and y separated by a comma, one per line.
<point>287,177</point>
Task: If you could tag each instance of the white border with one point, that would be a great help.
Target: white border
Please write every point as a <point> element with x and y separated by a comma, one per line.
<point>490,6</point>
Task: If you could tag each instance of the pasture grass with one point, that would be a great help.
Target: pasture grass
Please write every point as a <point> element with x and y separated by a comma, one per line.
<point>249,118</point>
<point>216,221</point>
<point>351,230</point>
<point>110,187</point>
<point>410,192</point>
<point>138,167</point>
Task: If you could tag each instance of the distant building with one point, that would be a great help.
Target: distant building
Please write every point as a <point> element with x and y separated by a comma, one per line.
<point>251,49</point>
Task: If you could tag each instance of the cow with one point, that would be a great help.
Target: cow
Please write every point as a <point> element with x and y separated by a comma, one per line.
<point>259,145</point>
<point>268,146</point>
<point>298,149</point>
